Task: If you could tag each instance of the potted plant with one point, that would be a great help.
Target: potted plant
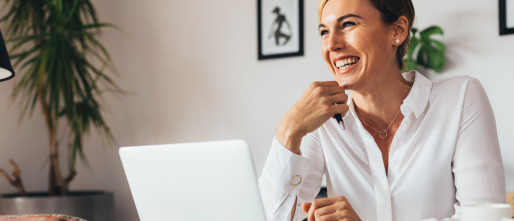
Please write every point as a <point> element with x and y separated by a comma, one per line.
<point>62,67</point>
<point>425,51</point>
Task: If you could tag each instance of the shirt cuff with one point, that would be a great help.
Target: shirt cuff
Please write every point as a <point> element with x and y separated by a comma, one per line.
<point>284,169</point>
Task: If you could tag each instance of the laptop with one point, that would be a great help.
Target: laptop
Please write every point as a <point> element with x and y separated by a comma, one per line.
<point>193,181</point>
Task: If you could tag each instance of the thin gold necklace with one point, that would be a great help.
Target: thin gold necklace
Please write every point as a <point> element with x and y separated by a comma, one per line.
<point>381,133</point>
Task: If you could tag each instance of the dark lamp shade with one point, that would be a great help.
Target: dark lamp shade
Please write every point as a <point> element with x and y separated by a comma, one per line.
<point>6,71</point>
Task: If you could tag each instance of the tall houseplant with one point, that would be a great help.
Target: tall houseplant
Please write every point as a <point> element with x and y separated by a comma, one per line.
<point>424,50</point>
<point>62,66</point>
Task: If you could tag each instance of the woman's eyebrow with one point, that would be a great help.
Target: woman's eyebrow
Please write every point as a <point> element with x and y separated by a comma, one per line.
<point>341,19</point>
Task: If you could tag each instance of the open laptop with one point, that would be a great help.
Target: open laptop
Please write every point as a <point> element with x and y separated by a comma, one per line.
<point>193,181</point>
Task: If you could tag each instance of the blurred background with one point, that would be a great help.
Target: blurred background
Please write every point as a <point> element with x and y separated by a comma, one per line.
<point>192,71</point>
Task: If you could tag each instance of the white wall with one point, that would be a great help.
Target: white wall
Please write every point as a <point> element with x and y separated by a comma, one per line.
<point>192,67</point>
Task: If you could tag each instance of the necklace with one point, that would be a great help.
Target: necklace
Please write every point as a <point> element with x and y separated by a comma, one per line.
<point>383,132</point>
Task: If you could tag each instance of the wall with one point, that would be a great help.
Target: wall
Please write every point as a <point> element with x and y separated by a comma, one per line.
<point>192,71</point>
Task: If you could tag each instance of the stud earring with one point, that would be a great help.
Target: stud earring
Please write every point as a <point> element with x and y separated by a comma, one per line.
<point>397,41</point>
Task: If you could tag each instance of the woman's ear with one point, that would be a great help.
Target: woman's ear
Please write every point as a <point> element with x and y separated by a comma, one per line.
<point>400,30</point>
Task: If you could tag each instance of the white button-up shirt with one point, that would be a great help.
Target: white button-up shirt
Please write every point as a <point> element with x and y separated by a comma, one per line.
<point>444,154</point>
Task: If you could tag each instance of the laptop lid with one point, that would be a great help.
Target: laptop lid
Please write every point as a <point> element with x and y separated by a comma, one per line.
<point>193,181</point>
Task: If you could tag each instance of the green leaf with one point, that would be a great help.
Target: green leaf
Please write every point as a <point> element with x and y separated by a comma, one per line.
<point>413,44</point>
<point>414,31</point>
<point>439,45</point>
<point>436,59</point>
<point>432,30</point>
<point>421,57</point>
<point>411,65</point>
<point>425,51</point>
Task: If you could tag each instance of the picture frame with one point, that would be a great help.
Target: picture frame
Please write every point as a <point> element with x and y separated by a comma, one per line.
<point>506,17</point>
<point>280,28</point>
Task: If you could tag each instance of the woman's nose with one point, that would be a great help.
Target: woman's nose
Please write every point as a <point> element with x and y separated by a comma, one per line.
<point>335,42</point>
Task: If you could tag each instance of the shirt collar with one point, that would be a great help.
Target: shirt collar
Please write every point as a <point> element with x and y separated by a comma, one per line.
<point>417,99</point>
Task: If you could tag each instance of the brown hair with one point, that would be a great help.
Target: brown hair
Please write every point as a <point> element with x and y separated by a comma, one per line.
<point>390,11</point>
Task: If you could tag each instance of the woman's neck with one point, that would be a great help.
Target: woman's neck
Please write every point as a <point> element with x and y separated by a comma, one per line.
<point>379,103</point>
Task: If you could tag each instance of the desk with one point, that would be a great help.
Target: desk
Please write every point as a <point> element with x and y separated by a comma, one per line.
<point>39,217</point>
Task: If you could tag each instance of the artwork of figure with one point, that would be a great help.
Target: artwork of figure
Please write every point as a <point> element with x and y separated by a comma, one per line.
<point>276,28</point>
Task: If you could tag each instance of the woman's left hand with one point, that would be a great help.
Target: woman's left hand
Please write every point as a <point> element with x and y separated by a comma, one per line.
<point>333,208</point>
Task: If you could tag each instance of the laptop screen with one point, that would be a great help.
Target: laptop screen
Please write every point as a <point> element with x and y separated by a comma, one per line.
<point>193,181</point>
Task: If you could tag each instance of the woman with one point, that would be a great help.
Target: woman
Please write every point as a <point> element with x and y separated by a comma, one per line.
<point>412,149</point>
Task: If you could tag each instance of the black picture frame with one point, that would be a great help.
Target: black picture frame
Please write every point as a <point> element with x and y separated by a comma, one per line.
<point>506,12</point>
<point>280,28</point>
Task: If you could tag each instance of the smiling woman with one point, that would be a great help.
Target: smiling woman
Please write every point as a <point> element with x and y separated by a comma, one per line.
<point>389,13</point>
<point>406,137</point>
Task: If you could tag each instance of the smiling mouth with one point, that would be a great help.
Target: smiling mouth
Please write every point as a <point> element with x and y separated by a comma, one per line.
<point>347,62</point>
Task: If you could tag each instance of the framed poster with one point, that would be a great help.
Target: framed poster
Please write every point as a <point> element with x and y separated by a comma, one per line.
<point>280,28</point>
<point>506,17</point>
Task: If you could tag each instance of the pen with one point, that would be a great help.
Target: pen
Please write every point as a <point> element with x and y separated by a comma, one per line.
<point>339,120</point>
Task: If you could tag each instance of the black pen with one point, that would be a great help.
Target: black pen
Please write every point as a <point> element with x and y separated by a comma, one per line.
<point>339,120</point>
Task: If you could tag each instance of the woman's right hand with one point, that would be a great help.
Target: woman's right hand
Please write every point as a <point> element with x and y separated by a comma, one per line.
<point>332,208</point>
<point>315,107</point>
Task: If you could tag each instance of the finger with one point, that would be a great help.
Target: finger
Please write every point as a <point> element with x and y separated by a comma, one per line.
<point>310,214</point>
<point>319,203</point>
<point>334,109</point>
<point>339,210</point>
<point>306,206</point>
<point>341,109</point>
<point>326,210</point>
<point>320,90</point>
<point>341,215</point>
<point>325,83</point>
<point>334,90</point>
<point>322,202</point>
<point>329,84</point>
<point>338,99</point>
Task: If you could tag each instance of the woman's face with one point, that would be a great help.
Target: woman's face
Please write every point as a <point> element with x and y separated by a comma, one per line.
<point>357,46</point>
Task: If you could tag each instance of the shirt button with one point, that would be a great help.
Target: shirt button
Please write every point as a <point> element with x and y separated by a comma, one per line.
<point>296,180</point>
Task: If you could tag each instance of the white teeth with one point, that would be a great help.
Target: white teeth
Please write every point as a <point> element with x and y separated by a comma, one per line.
<point>346,62</point>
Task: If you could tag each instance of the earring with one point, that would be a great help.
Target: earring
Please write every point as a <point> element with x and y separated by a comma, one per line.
<point>397,41</point>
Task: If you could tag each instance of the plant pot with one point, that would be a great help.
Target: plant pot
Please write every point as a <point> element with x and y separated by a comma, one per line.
<point>90,205</point>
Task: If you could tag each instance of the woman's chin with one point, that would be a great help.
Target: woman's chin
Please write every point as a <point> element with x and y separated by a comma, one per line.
<point>344,78</point>
<point>344,84</point>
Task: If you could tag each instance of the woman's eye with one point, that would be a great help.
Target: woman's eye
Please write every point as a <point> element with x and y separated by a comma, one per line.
<point>323,32</point>
<point>348,24</point>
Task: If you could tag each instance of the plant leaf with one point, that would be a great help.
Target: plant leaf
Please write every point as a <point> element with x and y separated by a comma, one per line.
<point>413,44</point>
<point>432,30</point>
<point>436,59</point>
<point>411,65</point>
<point>438,45</point>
